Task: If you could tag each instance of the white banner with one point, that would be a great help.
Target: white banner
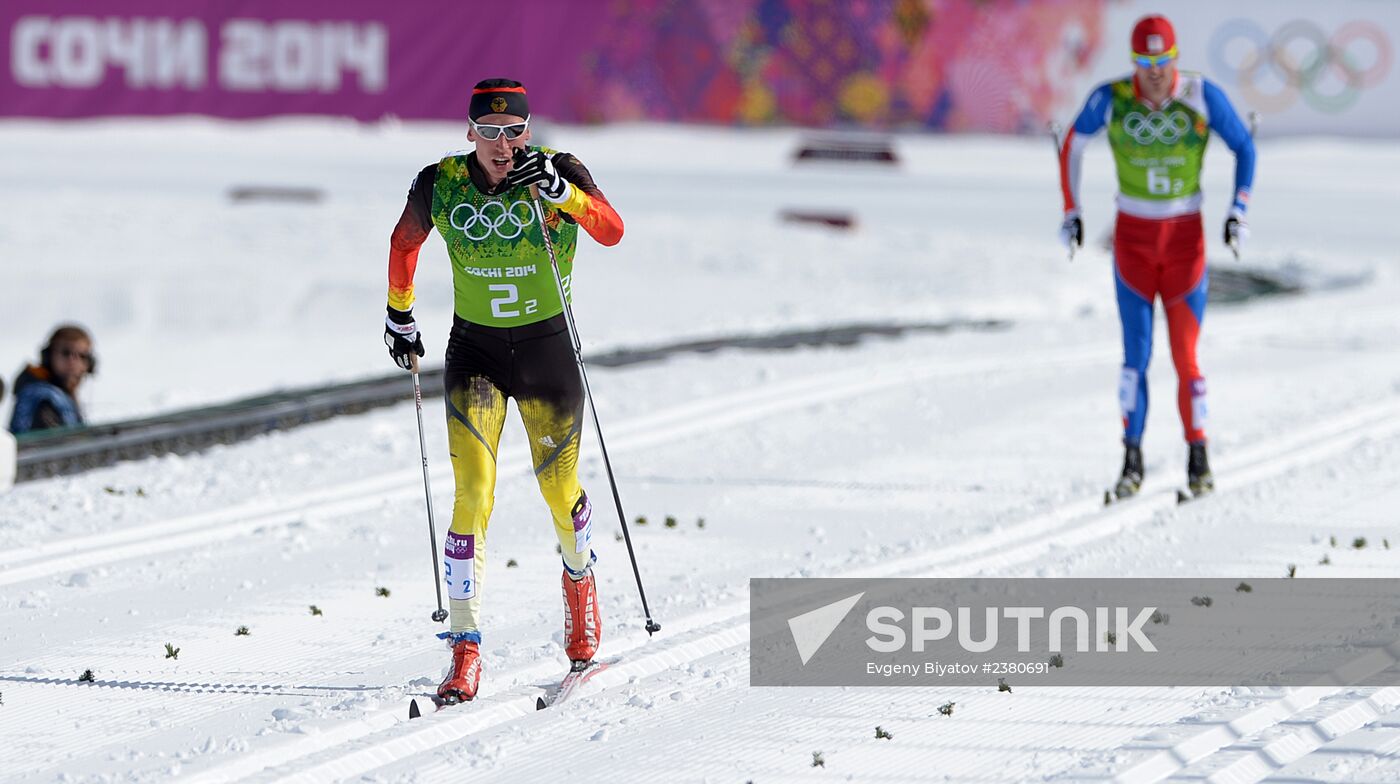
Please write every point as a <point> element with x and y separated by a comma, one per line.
<point>1306,67</point>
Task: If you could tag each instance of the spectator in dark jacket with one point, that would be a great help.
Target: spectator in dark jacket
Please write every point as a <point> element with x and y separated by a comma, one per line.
<point>46,395</point>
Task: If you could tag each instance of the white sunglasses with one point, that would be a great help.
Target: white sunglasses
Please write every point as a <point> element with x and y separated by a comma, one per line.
<point>493,132</point>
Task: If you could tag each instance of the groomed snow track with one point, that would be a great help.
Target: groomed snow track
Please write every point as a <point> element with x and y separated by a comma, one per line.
<point>722,633</point>
<point>725,630</point>
<point>1286,725</point>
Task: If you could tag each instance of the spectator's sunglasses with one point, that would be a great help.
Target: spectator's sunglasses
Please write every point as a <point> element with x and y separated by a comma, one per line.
<point>1151,60</point>
<point>67,352</point>
<point>493,132</point>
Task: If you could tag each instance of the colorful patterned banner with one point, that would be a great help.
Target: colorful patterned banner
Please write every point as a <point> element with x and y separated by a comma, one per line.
<point>945,64</point>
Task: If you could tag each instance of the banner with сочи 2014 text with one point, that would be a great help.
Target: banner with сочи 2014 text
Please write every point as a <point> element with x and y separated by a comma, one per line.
<point>937,65</point>
<point>259,58</point>
<point>954,65</point>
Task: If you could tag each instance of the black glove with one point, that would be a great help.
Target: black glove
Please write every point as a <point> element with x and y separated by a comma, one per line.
<point>402,338</point>
<point>1236,229</point>
<point>1072,232</point>
<point>533,167</point>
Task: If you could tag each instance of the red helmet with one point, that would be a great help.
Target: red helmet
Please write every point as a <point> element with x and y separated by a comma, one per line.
<point>1153,35</point>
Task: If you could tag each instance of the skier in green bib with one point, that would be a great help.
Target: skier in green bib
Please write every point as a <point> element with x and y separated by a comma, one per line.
<point>509,339</point>
<point>1159,121</point>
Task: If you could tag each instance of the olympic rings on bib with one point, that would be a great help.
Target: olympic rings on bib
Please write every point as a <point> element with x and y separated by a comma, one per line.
<point>492,217</point>
<point>1302,61</point>
<point>1156,127</point>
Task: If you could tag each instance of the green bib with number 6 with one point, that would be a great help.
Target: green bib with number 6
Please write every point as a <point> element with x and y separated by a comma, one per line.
<point>501,275</point>
<point>1158,152</point>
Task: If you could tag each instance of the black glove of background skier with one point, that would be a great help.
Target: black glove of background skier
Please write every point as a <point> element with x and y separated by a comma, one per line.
<point>1236,229</point>
<point>1072,231</point>
<point>402,338</point>
<point>533,167</point>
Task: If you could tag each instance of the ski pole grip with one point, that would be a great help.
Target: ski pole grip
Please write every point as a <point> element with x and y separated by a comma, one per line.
<point>413,361</point>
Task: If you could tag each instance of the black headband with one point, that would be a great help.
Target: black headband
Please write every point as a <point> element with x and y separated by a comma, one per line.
<point>498,100</point>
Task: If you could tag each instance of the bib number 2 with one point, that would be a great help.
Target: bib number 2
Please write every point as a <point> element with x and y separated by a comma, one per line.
<point>509,295</point>
<point>505,299</point>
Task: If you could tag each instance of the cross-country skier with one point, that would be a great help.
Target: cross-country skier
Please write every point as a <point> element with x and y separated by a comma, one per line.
<point>508,339</point>
<point>1159,121</point>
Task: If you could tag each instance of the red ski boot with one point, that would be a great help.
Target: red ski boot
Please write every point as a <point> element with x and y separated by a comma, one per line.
<point>582,622</point>
<point>460,684</point>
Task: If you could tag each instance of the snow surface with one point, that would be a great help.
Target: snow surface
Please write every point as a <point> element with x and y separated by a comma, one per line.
<point>970,453</point>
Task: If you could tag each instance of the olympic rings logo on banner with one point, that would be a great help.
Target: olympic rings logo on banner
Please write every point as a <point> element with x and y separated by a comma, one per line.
<point>506,222</point>
<point>1156,127</point>
<point>1327,73</point>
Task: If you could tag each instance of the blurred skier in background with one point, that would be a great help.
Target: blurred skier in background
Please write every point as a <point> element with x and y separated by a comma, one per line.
<point>46,394</point>
<point>1159,121</point>
<point>509,339</point>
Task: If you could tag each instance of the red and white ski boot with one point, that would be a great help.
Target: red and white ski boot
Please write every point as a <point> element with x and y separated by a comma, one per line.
<point>582,622</point>
<point>460,684</point>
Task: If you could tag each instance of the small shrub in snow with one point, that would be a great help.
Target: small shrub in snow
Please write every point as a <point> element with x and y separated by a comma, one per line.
<point>817,760</point>
<point>946,708</point>
<point>241,631</point>
<point>881,734</point>
<point>382,591</point>
<point>1243,587</point>
<point>171,652</point>
<point>315,610</point>
<point>1002,685</point>
<point>1201,601</point>
<point>1359,542</point>
<point>1292,570</point>
<point>87,677</point>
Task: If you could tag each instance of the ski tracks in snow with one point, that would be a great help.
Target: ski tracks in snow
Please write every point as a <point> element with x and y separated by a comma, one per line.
<point>386,738</point>
<point>373,741</point>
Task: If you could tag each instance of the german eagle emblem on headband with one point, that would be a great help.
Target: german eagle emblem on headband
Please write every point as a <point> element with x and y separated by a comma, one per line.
<point>498,105</point>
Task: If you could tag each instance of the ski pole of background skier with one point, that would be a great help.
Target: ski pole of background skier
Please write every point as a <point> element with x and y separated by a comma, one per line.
<point>1253,126</point>
<point>652,626</point>
<point>1057,135</point>
<point>439,615</point>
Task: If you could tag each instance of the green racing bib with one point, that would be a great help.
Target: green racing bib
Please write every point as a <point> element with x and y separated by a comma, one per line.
<point>1158,152</point>
<point>501,275</point>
